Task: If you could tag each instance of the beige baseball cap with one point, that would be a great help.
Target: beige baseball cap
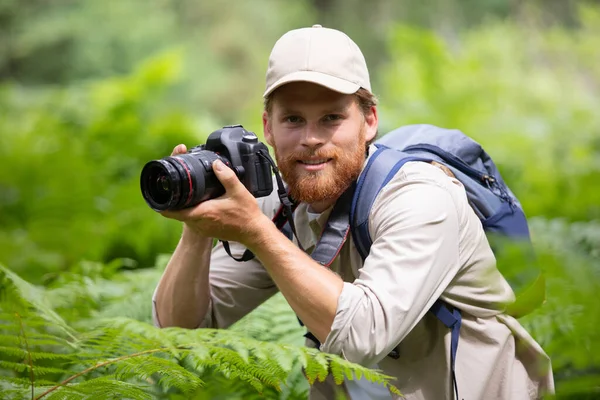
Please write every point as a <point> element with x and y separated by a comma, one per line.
<point>319,55</point>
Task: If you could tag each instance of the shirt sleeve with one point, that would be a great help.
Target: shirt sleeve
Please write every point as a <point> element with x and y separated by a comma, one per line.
<point>236,288</point>
<point>413,258</point>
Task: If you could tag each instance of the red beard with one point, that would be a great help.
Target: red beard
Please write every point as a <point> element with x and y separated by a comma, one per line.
<point>343,168</point>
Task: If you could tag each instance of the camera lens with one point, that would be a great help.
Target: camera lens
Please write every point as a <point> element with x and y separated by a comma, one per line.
<point>161,184</point>
<point>181,181</point>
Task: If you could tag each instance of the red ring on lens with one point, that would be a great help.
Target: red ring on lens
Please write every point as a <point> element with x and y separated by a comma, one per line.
<point>189,180</point>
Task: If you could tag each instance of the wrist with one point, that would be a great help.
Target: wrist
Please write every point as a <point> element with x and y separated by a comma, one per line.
<point>192,238</point>
<point>263,230</point>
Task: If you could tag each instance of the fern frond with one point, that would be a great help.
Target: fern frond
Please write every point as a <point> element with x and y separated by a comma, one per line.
<point>115,335</point>
<point>375,376</point>
<point>273,359</point>
<point>35,355</point>
<point>171,374</point>
<point>286,359</point>
<point>232,365</point>
<point>340,373</point>
<point>31,296</point>
<point>13,351</point>
<point>38,370</point>
<point>25,382</point>
<point>14,392</point>
<point>317,366</point>
<point>38,339</point>
<point>125,371</point>
<point>99,388</point>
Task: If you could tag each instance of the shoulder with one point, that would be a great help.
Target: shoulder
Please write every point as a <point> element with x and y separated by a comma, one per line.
<point>419,185</point>
<point>415,172</point>
<point>421,195</point>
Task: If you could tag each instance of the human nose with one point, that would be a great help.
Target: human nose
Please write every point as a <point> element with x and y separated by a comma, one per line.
<point>312,136</point>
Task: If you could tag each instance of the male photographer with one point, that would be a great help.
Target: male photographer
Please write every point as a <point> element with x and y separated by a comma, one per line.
<point>320,115</point>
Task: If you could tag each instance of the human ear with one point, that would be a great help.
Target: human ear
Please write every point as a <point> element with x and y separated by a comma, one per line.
<point>267,128</point>
<point>371,123</point>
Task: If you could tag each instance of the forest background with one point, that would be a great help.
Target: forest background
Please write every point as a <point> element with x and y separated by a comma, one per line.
<point>91,90</point>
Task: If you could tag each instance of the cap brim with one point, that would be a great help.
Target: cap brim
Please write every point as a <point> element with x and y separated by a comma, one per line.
<point>319,78</point>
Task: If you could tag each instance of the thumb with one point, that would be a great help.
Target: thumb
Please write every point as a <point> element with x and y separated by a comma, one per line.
<point>226,176</point>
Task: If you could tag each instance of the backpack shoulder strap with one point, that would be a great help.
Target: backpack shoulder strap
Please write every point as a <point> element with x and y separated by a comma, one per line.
<point>336,230</point>
<point>380,169</point>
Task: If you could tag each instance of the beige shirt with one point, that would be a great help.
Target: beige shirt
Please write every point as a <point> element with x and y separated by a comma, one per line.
<point>427,244</point>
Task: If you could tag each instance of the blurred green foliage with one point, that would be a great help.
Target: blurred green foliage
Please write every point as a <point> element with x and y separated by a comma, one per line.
<point>529,97</point>
<point>72,188</point>
<point>90,91</point>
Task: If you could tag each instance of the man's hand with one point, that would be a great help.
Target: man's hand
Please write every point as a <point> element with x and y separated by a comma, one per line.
<point>234,216</point>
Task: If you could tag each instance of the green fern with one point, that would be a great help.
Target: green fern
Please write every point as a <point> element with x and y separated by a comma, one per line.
<point>273,321</point>
<point>45,357</point>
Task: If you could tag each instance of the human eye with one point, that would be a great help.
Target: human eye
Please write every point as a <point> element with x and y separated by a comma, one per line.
<point>333,117</point>
<point>292,119</point>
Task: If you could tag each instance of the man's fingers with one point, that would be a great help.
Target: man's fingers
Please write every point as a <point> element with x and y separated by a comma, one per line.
<point>228,179</point>
<point>179,149</point>
<point>179,215</point>
<point>226,176</point>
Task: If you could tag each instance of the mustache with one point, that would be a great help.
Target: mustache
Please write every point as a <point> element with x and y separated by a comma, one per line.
<point>299,155</point>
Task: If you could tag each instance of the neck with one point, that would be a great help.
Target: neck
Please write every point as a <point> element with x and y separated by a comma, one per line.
<point>320,206</point>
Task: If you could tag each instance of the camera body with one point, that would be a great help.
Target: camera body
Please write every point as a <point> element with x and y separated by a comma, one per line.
<point>185,180</point>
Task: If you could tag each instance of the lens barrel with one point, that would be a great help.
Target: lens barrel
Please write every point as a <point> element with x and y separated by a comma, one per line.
<point>181,181</point>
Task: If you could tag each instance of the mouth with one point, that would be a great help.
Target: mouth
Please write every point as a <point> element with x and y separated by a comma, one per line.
<point>314,164</point>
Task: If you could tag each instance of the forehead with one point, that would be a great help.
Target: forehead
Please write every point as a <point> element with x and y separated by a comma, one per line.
<point>304,94</point>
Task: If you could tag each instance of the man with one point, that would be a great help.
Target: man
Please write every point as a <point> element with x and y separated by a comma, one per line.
<point>320,117</point>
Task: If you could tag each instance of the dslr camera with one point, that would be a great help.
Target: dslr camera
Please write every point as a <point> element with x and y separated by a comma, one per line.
<point>185,180</point>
